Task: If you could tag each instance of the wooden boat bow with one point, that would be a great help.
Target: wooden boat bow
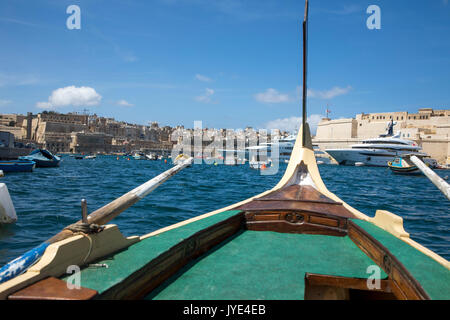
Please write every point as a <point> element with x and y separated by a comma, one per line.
<point>296,228</point>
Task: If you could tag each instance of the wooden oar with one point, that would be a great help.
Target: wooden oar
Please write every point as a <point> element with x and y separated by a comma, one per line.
<point>99,217</point>
<point>443,186</point>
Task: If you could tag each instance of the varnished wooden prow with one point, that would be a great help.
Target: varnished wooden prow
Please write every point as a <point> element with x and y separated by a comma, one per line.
<point>298,198</point>
<point>297,208</point>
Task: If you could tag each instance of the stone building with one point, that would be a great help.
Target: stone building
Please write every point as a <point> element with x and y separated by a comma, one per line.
<point>90,142</point>
<point>12,123</point>
<point>53,132</point>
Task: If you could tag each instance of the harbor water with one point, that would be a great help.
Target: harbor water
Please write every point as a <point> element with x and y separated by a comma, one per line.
<point>48,199</point>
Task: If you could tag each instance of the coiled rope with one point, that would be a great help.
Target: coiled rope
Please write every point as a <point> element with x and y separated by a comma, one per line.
<point>83,227</point>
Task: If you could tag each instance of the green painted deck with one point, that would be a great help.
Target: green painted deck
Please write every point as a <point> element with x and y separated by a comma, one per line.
<point>261,265</point>
<point>434,277</point>
<point>123,263</point>
<point>265,265</point>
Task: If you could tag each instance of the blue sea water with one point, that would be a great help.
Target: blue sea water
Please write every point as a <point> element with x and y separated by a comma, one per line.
<point>49,199</point>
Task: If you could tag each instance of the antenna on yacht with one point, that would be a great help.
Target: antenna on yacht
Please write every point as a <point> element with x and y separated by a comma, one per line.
<point>305,25</point>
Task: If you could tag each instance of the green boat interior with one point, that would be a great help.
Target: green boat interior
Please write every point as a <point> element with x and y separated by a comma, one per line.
<point>291,243</point>
<point>309,247</point>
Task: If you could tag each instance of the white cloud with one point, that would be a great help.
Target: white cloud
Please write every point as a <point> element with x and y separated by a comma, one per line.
<point>4,102</point>
<point>124,103</point>
<point>71,96</point>
<point>272,96</point>
<point>293,124</point>
<point>328,94</point>
<point>202,78</point>
<point>206,97</point>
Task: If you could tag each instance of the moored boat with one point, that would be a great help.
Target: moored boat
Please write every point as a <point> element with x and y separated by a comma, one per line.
<point>7,210</point>
<point>139,156</point>
<point>378,151</point>
<point>402,165</point>
<point>17,166</point>
<point>179,159</point>
<point>296,240</point>
<point>321,157</point>
<point>151,156</point>
<point>43,158</point>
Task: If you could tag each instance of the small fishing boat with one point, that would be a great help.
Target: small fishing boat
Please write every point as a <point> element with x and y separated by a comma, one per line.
<point>17,166</point>
<point>43,158</point>
<point>254,164</point>
<point>404,165</point>
<point>151,156</point>
<point>90,157</point>
<point>180,158</point>
<point>139,156</point>
<point>294,241</point>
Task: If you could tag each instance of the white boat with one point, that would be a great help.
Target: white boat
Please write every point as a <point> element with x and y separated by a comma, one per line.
<point>266,150</point>
<point>375,152</point>
<point>259,164</point>
<point>256,163</point>
<point>181,158</point>
<point>139,156</point>
<point>285,147</point>
<point>7,211</point>
<point>321,157</point>
<point>151,156</point>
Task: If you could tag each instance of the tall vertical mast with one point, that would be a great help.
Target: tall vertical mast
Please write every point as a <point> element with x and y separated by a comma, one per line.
<point>305,33</point>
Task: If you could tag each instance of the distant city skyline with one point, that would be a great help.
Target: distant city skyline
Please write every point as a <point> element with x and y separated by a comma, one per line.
<point>230,64</point>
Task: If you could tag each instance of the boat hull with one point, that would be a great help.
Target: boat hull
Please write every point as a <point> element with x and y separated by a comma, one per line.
<point>42,158</point>
<point>403,166</point>
<point>47,163</point>
<point>17,166</point>
<point>373,158</point>
<point>411,170</point>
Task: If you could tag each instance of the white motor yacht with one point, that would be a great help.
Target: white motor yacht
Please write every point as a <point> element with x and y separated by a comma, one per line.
<point>375,152</point>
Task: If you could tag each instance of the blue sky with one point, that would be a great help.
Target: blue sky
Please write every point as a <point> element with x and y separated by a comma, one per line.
<point>229,63</point>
